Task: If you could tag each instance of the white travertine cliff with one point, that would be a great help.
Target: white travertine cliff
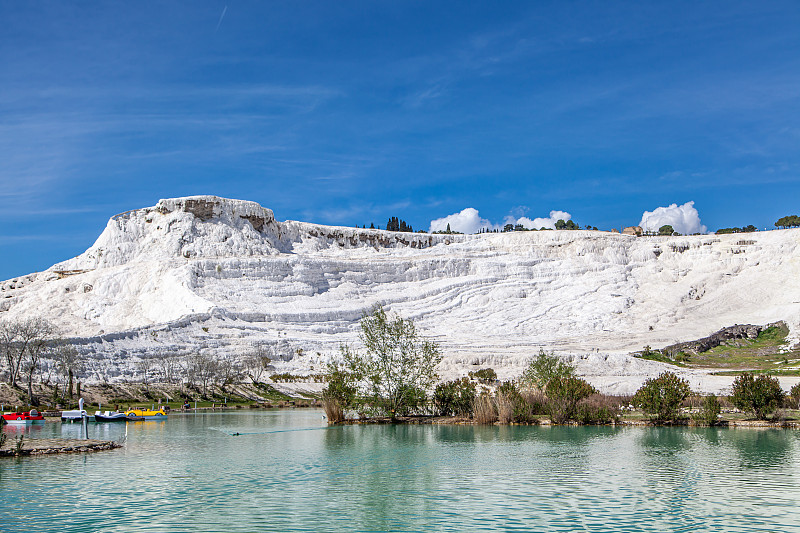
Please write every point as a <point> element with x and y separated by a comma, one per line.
<point>207,273</point>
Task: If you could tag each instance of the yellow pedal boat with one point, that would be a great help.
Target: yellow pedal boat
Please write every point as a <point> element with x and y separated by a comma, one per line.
<point>145,414</point>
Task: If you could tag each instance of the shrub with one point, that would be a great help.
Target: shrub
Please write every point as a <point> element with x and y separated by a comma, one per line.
<point>661,397</point>
<point>544,368</point>
<point>536,400</point>
<point>517,408</point>
<point>563,395</point>
<point>484,375</point>
<point>339,394</point>
<point>794,395</point>
<point>709,411</point>
<point>334,410</point>
<point>454,397</point>
<point>759,395</point>
<point>484,410</point>
<point>286,377</point>
<point>598,409</point>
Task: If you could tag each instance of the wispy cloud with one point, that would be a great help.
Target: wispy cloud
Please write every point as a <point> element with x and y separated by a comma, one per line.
<point>222,16</point>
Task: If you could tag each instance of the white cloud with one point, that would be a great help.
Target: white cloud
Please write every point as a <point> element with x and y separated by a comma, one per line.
<point>467,221</point>
<point>539,223</point>
<point>683,219</point>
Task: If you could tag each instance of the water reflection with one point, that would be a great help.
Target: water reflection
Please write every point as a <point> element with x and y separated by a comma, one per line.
<point>288,471</point>
<point>13,430</point>
<point>762,448</point>
<point>664,440</point>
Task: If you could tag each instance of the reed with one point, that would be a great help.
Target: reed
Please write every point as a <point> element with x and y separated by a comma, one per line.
<point>505,407</point>
<point>333,410</point>
<point>484,410</point>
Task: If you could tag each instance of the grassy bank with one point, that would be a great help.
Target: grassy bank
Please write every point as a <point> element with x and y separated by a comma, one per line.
<point>109,396</point>
<point>767,353</point>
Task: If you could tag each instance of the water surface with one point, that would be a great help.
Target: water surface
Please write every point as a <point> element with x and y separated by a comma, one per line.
<point>287,471</point>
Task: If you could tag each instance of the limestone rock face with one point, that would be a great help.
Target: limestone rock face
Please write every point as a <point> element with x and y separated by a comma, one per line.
<point>208,274</point>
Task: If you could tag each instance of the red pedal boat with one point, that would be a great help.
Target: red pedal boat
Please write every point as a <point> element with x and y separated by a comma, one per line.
<point>24,418</point>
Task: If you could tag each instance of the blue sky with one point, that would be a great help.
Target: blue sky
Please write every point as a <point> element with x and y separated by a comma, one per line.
<point>352,112</point>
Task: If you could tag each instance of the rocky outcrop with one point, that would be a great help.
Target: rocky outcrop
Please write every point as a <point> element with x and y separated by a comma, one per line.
<point>633,230</point>
<point>739,331</point>
<point>51,446</point>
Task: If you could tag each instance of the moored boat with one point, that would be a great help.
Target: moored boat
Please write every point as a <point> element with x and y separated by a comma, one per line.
<point>75,414</point>
<point>24,418</point>
<point>110,416</point>
<point>146,414</point>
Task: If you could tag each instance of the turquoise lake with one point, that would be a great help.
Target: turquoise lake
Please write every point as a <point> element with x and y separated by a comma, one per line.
<point>287,471</point>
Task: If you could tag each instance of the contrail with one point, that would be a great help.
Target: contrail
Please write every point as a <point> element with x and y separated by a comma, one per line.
<point>224,10</point>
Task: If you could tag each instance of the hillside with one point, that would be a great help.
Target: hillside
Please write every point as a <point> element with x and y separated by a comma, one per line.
<point>206,273</point>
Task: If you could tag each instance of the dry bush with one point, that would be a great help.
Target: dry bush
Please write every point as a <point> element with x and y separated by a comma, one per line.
<point>599,409</point>
<point>333,410</point>
<point>536,400</point>
<point>484,410</point>
<point>505,407</point>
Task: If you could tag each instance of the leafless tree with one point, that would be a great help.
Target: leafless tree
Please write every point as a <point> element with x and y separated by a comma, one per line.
<point>170,368</point>
<point>37,347</point>
<point>229,370</point>
<point>17,338</point>
<point>257,363</point>
<point>143,366</point>
<point>68,363</point>
<point>202,369</point>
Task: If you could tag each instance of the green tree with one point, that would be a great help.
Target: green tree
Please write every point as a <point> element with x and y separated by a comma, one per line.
<point>759,395</point>
<point>560,224</point>
<point>544,368</point>
<point>790,221</point>
<point>397,367</point>
<point>666,229</point>
<point>563,395</point>
<point>661,397</point>
<point>454,397</point>
<point>794,394</point>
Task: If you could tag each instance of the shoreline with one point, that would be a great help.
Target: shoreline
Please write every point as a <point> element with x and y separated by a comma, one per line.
<point>36,447</point>
<point>463,421</point>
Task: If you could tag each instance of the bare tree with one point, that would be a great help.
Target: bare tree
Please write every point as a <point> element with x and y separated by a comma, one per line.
<point>16,337</point>
<point>144,365</point>
<point>229,370</point>
<point>169,368</point>
<point>257,363</point>
<point>68,363</point>
<point>37,347</point>
<point>203,369</point>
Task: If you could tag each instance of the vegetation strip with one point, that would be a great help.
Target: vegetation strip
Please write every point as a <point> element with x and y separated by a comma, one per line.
<point>390,380</point>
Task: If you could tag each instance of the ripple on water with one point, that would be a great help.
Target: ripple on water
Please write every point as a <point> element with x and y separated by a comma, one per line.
<point>287,471</point>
